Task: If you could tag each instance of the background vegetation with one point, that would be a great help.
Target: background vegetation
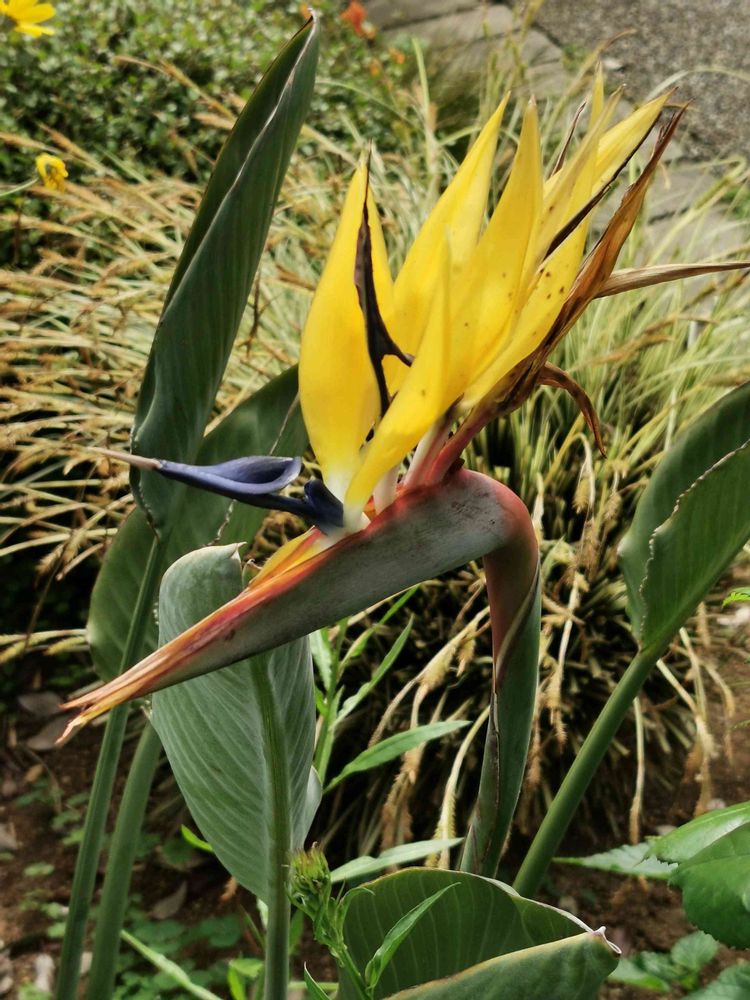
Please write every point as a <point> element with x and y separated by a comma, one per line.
<point>137,98</point>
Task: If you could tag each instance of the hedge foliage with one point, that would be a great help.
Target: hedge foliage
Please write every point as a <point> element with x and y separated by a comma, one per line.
<point>81,81</point>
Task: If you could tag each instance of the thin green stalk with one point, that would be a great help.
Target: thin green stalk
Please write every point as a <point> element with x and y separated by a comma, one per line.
<point>7,192</point>
<point>568,798</point>
<point>114,899</point>
<point>328,722</point>
<point>280,829</point>
<point>87,861</point>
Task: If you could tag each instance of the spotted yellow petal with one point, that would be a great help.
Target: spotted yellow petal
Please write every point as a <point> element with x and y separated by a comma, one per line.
<point>552,282</point>
<point>460,211</point>
<point>617,142</point>
<point>563,195</point>
<point>338,392</point>
<point>421,400</point>
<point>597,93</point>
<point>494,278</point>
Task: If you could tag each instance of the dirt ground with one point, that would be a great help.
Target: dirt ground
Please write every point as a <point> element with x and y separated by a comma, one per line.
<point>638,915</point>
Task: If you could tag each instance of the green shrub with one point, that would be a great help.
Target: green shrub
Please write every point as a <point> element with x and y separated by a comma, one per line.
<point>85,81</point>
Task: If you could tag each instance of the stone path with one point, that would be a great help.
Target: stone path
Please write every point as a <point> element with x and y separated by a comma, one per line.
<point>664,38</point>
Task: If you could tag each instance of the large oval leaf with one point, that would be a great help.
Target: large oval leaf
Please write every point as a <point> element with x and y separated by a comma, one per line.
<point>240,741</point>
<point>577,966</point>
<point>268,421</point>
<point>715,887</point>
<point>731,984</point>
<point>476,921</point>
<point>212,282</point>
<point>691,520</point>
<point>686,841</point>
<point>712,854</point>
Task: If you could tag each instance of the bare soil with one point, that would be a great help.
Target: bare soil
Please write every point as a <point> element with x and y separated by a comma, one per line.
<point>638,914</point>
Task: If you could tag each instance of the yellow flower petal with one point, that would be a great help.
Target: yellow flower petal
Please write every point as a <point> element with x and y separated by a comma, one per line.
<point>52,171</point>
<point>27,15</point>
<point>548,291</point>
<point>421,400</point>
<point>494,277</point>
<point>617,142</point>
<point>563,195</point>
<point>292,553</point>
<point>338,392</point>
<point>459,211</point>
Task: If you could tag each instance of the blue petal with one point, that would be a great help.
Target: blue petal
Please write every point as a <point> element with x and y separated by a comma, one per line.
<point>326,510</point>
<point>245,479</point>
<point>256,480</point>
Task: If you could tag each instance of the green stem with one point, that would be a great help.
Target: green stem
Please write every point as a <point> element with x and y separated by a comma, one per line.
<point>114,898</point>
<point>87,862</point>
<point>7,192</point>
<point>280,833</point>
<point>325,737</point>
<point>568,798</point>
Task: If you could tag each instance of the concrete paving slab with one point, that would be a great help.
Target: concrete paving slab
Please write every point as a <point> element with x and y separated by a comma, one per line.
<point>466,26</point>
<point>703,44</point>
<point>393,13</point>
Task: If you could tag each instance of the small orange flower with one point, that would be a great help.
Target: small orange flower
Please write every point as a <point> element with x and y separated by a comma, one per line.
<point>356,15</point>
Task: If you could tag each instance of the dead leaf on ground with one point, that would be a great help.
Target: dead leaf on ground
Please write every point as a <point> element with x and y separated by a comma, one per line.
<point>171,904</point>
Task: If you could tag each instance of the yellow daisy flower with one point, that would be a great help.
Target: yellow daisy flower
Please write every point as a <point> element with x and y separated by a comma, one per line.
<point>52,171</point>
<point>27,16</point>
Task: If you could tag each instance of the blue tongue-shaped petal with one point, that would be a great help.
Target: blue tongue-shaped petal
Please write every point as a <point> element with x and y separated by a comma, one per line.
<point>244,479</point>
<point>256,480</point>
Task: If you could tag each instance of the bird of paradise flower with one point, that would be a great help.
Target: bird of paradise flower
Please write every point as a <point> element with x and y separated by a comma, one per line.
<point>413,369</point>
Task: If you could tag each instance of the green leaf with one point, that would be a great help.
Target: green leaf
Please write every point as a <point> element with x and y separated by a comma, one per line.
<point>269,418</point>
<point>630,859</point>
<point>686,841</point>
<point>692,519</point>
<point>739,596</point>
<point>387,662</point>
<point>715,887</point>
<point>172,969</point>
<point>694,951</point>
<point>516,673</point>
<point>313,990</point>
<point>731,984</point>
<point>212,282</point>
<point>395,937</point>
<point>194,841</point>
<point>577,966</point>
<point>322,655</point>
<point>364,866</point>
<point>395,746</point>
<point>648,970</point>
<point>250,968</point>
<point>237,737</point>
<point>478,921</point>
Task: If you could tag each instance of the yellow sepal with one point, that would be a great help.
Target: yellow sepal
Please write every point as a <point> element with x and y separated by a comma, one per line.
<point>421,400</point>
<point>494,280</point>
<point>335,373</point>
<point>459,212</point>
<point>617,143</point>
